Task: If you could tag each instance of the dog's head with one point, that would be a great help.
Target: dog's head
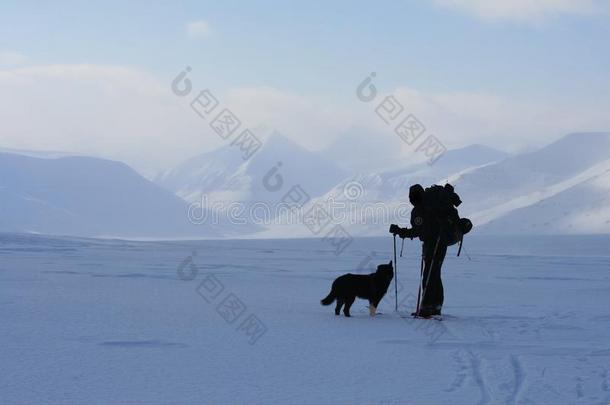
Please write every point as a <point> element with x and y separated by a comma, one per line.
<point>386,270</point>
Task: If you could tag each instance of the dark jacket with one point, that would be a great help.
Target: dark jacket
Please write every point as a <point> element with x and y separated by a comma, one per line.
<point>428,226</point>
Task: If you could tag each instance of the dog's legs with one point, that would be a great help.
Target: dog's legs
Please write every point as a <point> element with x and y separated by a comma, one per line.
<point>373,304</point>
<point>339,305</point>
<point>348,304</point>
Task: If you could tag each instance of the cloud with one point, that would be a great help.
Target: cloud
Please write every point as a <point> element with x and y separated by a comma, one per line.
<point>457,119</point>
<point>108,111</point>
<point>524,10</point>
<point>9,58</point>
<point>462,118</point>
<point>198,29</point>
<point>130,115</point>
<point>309,121</point>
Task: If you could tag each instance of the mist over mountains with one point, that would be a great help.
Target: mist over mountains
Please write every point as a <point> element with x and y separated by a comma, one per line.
<point>562,188</point>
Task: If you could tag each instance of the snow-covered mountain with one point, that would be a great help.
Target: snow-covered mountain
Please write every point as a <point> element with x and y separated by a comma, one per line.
<point>88,197</point>
<point>572,207</point>
<point>562,188</point>
<point>37,153</point>
<point>366,203</point>
<point>222,175</point>
<point>532,172</point>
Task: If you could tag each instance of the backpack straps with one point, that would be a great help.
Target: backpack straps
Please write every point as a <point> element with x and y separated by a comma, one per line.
<point>461,242</point>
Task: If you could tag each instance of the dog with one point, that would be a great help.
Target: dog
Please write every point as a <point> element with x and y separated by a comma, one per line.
<point>370,287</point>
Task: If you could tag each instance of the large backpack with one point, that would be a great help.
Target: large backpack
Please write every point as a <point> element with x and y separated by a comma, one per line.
<point>441,220</point>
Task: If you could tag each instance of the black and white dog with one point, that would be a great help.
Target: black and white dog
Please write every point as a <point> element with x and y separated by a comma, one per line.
<point>370,287</point>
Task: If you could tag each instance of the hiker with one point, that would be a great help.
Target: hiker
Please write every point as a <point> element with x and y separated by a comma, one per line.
<point>436,222</point>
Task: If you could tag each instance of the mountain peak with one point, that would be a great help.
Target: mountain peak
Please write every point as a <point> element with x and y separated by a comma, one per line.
<point>593,139</point>
<point>571,153</point>
<point>216,174</point>
<point>472,155</point>
<point>275,140</point>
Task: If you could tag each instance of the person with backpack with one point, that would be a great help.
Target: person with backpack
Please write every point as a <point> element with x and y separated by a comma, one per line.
<point>436,222</point>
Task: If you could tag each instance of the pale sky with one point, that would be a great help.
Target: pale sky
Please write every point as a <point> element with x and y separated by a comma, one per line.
<point>94,77</point>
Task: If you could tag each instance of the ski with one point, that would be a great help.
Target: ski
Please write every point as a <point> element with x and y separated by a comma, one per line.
<point>431,317</point>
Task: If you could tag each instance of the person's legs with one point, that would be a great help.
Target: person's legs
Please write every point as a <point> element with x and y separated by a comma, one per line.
<point>427,299</point>
<point>441,294</point>
<point>438,291</point>
<point>432,285</point>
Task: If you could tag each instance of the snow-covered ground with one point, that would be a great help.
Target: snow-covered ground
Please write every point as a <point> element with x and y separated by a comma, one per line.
<point>94,321</point>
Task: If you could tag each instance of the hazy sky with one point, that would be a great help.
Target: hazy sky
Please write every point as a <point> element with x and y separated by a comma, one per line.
<point>95,78</point>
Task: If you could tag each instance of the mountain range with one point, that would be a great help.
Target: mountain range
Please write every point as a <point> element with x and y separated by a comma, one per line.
<point>562,188</point>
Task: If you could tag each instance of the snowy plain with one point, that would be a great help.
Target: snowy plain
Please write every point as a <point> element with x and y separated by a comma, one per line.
<point>108,321</point>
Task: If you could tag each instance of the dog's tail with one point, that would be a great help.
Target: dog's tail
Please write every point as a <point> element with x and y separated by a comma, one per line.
<point>330,298</point>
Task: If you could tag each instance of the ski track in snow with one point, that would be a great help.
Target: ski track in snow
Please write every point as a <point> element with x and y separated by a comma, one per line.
<point>478,374</point>
<point>591,383</point>
<point>519,379</point>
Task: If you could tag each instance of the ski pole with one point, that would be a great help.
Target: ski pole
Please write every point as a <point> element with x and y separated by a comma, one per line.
<point>395,278</point>
<point>421,280</point>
